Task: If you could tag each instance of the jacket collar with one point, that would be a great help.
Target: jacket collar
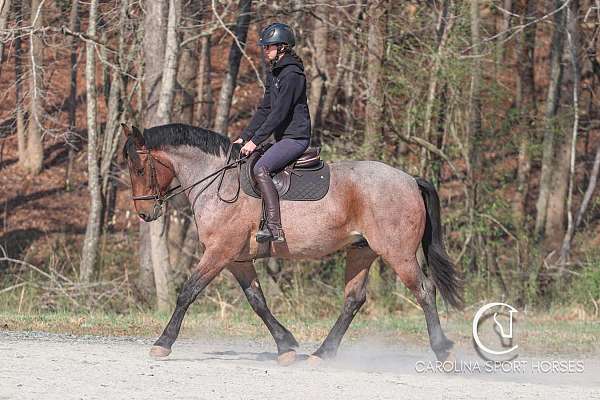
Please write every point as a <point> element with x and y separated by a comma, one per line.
<point>285,61</point>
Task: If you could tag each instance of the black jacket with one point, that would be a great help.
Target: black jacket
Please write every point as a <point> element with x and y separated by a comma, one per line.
<point>283,109</point>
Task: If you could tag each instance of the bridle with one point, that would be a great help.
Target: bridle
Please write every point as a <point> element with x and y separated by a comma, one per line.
<point>160,198</point>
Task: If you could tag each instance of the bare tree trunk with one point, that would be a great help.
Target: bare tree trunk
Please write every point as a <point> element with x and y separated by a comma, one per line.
<point>348,85</point>
<point>559,195</point>
<point>21,132</point>
<point>507,5</point>
<point>591,187</point>
<point>334,85</point>
<point>169,74</point>
<point>145,282</point>
<point>154,65</point>
<point>155,24</point>
<point>4,13</point>
<point>183,112</point>
<point>188,66</point>
<point>527,107</point>
<point>474,138</point>
<point>377,13</point>
<point>35,149</point>
<point>552,101</point>
<point>106,81</point>
<point>73,42</point>
<point>145,279</point>
<point>92,232</point>
<point>235,56</point>
<point>115,109</point>
<point>319,70</point>
<point>203,109</point>
<point>555,214</point>
<point>444,26</point>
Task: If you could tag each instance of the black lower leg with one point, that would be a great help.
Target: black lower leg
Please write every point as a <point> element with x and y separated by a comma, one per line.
<point>332,342</point>
<point>191,289</point>
<point>284,339</point>
<point>425,295</point>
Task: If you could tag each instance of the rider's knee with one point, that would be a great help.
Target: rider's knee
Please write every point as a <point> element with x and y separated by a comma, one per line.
<point>260,167</point>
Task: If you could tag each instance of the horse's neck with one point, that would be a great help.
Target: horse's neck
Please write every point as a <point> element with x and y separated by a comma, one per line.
<point>191,165</point>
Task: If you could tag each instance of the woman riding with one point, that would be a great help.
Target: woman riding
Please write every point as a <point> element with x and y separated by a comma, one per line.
<point>282,112</point>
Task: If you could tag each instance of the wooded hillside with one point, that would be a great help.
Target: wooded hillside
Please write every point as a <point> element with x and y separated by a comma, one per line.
<point>496,102</point>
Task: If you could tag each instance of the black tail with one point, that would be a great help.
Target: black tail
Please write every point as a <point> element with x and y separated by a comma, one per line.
<point>442,271</point>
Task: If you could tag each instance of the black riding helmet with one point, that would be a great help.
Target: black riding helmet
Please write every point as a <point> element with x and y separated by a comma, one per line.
<point>277,33</point>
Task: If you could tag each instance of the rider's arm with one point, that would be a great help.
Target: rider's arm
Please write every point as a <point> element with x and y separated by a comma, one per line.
<point>261,113</point>
<point>290,89</point>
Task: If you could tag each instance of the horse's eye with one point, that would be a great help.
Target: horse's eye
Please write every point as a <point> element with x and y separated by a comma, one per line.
<point>140,172</point>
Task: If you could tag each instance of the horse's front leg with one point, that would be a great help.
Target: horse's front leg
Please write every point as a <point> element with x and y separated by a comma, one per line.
<point>210,265</point>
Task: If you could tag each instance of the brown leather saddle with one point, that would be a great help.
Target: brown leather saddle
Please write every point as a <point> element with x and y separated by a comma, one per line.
<point>306,179</point>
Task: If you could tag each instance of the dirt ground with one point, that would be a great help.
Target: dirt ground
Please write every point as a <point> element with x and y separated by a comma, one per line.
<point>52,366</point>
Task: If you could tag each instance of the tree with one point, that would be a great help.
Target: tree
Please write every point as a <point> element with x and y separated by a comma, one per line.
<point>377,14</point>
<point>204,101</point>
<point>556,214</point>
<point>4,13</point>
<point>160,54</point>
<point>72,100</point>
<point>188,63</point>
<point>21,132</point>
<point>235,55</point>
<point>92,232</point>
<point>318,70</point>
<point>35,149</point>
<point>444,25</point>
<point>550,126</point>
<point>526,106</point>
<point>474,138</point>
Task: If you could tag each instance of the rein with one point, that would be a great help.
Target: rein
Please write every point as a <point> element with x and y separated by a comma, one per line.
<point>169,194</point>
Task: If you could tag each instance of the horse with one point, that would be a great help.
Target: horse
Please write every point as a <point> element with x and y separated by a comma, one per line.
<point>371,210</point>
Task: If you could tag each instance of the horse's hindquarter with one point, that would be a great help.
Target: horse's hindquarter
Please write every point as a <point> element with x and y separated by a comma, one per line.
<point>365,198</point>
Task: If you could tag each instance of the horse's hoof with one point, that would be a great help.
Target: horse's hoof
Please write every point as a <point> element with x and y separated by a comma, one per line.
<point>287,358</point>
<point>449,358</point>
<point>314,361</point>
<point>159,352</point>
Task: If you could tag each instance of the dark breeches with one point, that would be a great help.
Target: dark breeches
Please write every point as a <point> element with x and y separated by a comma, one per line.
<point>280,154</point>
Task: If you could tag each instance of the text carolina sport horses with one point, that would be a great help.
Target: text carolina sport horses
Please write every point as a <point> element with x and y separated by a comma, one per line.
<point>371,210</point>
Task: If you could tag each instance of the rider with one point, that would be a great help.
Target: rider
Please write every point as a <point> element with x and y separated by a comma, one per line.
<point>283,112</point>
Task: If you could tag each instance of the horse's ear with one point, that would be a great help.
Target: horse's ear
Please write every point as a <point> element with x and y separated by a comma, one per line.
<point>137,136</point>
<point>126,129</point>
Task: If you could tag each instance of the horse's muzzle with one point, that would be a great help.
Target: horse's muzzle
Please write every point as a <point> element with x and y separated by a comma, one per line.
<point>156,212</point>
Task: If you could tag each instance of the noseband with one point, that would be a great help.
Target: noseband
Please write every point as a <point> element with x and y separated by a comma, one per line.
<point>160,199</point>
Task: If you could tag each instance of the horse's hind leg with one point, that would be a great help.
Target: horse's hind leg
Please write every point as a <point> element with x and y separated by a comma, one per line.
<point>358,262</point>
<point>412,276</point>
<point>246,277</point>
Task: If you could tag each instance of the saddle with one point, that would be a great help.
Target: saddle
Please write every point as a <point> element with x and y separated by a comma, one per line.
<point>306,179</point>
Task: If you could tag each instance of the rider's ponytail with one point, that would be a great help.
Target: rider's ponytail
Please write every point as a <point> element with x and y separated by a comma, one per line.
<point>283,48</point>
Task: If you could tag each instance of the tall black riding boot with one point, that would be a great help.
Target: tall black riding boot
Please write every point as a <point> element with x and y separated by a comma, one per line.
<point>272,231</point>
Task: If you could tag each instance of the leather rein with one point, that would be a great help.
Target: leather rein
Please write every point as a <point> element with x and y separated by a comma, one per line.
<point>160,199</point>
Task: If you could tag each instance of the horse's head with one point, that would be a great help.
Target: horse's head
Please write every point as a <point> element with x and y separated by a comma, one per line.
<point>151,174</point>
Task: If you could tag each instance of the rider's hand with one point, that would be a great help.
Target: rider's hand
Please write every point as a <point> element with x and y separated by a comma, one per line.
<point>240,140</point>
<point>248,148</point>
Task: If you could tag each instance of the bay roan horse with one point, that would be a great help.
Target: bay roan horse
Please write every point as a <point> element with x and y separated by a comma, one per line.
<point>371,210</point>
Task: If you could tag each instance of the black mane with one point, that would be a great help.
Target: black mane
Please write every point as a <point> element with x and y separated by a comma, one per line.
<point>180,134</point>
